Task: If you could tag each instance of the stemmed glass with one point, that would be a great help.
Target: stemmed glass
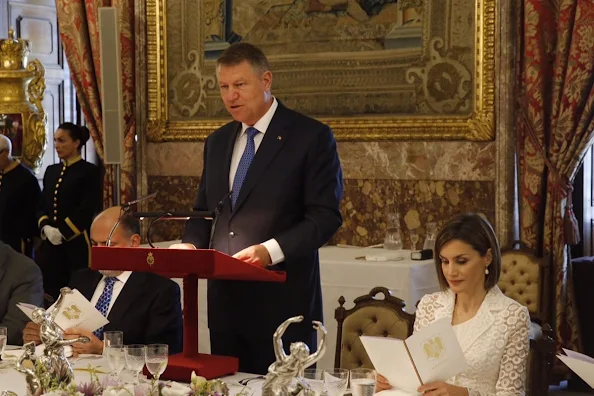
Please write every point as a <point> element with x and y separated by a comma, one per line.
<point>336,381</point>
<point>414,238</point>
<point>3,339</point>
<point>135,359</point>
<point>156,359</point>
<point>113,338</point>
<point>363,382</point>
<point>315,379</point>
<point>116,359</point>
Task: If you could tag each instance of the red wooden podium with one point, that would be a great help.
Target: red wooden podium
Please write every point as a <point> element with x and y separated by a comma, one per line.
<point>189,265</point>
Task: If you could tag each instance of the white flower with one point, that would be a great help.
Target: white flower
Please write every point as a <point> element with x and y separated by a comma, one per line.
<point>175,389</point>
<point>197,380</point>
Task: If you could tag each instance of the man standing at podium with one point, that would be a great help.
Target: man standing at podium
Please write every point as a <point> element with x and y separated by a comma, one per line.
<point>275,176</point>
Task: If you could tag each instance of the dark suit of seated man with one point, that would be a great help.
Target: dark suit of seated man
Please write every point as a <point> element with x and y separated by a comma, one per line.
<point>145,307</point>
<point>20,281</point>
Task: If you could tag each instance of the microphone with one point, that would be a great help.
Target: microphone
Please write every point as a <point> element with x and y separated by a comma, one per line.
<point>215,217</point>
<point>205,215</point>
<point>125,208</point>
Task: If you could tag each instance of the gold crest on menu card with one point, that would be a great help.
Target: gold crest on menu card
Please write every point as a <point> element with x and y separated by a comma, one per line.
<point>150,259</point>
<point>433,348</point>
<point>72,312</point>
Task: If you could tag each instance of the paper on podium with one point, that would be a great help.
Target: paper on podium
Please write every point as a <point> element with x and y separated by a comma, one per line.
<point>76,312</point>
<point>580,364</point>
<point>431,354</point>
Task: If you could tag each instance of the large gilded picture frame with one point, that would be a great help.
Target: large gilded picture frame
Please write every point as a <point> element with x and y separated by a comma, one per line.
<point>383,70</point>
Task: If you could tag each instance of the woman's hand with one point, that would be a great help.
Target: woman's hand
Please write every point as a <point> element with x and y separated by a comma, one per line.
<point>442,389</point>
<point>382,383</point>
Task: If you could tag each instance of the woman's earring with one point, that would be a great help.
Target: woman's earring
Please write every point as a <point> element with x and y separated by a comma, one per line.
<point>486,270</point>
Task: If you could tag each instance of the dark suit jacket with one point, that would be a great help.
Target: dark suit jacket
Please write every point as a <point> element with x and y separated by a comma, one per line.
<point>20,281</point>
<point>19,195</point>
<point>147,310</point>
<point>291,193</point>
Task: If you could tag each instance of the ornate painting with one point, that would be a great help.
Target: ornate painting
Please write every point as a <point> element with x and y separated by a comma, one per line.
<point>11,126</point>
<point>371,69</point>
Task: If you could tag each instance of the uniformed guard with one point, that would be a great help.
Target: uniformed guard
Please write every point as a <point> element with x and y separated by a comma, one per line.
<point>71,198</point>
<point>19,194</point>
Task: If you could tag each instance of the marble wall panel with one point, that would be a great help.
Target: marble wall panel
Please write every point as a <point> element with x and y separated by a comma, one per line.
<point>364,206</point>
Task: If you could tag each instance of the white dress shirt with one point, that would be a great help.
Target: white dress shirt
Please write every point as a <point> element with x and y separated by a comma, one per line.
<point>274,249</point>
<point>117,288</point>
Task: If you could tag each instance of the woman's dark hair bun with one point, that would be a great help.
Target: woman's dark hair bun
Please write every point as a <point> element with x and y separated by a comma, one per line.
<point>80,133</point>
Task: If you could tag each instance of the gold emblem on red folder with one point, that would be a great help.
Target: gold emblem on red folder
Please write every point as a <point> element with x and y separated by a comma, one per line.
<point>150,259</point>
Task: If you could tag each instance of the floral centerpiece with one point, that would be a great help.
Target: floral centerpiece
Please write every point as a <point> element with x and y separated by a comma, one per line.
<point>199,386</point>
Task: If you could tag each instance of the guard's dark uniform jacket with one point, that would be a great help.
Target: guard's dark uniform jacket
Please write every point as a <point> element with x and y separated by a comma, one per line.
<point>19,195</point>
<point>71,198</point>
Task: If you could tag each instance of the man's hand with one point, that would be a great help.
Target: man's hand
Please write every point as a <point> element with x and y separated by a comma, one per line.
<point>94,347</point>
<point>186,246</point>
<point>31,333</point>
<point>442,389</point>
<point>381,383</point>
<point>255,255</point>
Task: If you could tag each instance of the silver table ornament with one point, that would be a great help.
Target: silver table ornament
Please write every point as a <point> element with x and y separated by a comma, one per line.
<point>52,369</point>
<point>286,368</point>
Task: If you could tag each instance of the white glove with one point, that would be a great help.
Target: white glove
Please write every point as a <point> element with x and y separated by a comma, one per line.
<point>52,234</point>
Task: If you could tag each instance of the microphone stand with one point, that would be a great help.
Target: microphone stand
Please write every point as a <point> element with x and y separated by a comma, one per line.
<point>125,208</point>
<point>205,215</point>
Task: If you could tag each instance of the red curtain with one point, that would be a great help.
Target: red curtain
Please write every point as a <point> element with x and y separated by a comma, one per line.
<point>79,30</point>
<point>557,97</point>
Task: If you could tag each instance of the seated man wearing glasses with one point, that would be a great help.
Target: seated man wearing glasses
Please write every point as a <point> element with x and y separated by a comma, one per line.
<point>145,307</point>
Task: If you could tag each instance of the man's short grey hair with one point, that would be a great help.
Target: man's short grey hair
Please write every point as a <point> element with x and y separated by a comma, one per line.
<point>5,144</point>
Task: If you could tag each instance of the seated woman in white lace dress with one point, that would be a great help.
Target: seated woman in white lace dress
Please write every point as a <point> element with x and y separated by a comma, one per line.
<point>492,329</point>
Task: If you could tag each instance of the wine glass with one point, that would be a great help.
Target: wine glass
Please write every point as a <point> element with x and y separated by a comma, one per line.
<point>116,359</point>
<point>315,379</point>
<point>3,339</point>
<point>363,382</point>
<point>336,381</point>
<point>414,238</point>
<point>156,359</point>
<point>135,359</point>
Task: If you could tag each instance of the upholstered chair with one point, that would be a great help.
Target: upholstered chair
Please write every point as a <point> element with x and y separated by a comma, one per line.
<point>372,316</point>
<point>526,278</point>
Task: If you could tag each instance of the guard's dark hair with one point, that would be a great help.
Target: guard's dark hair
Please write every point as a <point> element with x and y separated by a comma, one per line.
<point>80,133</point>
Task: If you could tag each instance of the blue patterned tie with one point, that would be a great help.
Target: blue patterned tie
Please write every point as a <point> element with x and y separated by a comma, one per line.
<point>103,302</point>
<point>244,163</point>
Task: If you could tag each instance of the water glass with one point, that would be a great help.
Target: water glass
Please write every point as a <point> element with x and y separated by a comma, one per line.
<point>3,339</point>
<point>116,359</point>
<point>430,234</point>
<point>315,379</point>
<point>363,381</point>
<point>414,238</point>
<point>393,237</point>
<point>156,359</point>
<point>135,359</point>
<point>336,381</point>
<point>113,338</point>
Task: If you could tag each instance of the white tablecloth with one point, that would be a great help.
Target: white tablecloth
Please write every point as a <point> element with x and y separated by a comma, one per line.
<point>343,275</point>
<point>12,380</point>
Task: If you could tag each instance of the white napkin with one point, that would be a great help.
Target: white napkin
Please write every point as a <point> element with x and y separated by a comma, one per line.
<point>175,389</point>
